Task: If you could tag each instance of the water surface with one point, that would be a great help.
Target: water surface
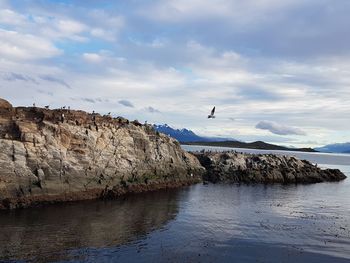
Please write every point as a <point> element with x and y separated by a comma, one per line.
<point>201,223</point>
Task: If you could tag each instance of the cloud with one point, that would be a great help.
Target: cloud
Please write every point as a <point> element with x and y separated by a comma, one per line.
<point>107,26</point>
<point>70,27</point>
<point>9,17</point>
<point>152,110</point>
<point>92,57</point>
<point>15,45</point>
<point>279,129</point>
<point>49,93</point>
<point>246,58</point>
<point>126,103</point>
<point>54,80</point>
<point>88,100</point>
<point>258,93</point>
<point>12,76</point>
<point>241,12</point>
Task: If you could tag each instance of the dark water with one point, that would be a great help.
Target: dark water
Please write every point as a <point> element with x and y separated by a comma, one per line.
<point>202,223</point>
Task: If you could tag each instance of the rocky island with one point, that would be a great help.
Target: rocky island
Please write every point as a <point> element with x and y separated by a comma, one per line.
<point>61,155</point>
<point>234,167</point>
<point>65,155</point>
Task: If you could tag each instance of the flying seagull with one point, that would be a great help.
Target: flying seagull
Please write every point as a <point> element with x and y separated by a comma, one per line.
<point>212,116</point>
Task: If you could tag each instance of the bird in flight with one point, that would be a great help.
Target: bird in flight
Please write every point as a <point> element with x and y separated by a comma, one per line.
<point>212,116</point>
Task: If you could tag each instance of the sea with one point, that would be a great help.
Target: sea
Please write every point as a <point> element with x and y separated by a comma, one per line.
<point>200,223</point>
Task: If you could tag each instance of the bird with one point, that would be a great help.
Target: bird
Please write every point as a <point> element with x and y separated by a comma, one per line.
<point>212,116</point>
<point>47,106</point>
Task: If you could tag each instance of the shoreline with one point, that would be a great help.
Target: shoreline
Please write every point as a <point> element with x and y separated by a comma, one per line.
<point>60,155</point>
<point>257,145</point>
<point>263,151</point>
<point>49,156</point>
<point>236,167</point>
<point>93,194</point>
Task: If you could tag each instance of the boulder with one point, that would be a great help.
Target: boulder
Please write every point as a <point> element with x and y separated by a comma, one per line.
<point>4,104</point>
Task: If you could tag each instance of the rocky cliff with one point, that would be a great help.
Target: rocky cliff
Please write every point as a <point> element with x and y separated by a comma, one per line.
<point>62,155</point>
<point>263,168</point>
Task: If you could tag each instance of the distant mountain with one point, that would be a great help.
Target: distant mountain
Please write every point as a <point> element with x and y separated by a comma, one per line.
<point>251,145</point>
<point>188,137</point>
<point>335,148</point>
<point>185,135</point>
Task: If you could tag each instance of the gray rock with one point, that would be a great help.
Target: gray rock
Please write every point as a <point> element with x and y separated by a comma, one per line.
<point>257,168</point>
<point>43,159</point>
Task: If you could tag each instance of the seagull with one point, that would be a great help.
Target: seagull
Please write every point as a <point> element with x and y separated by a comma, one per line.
<point>212,116</point>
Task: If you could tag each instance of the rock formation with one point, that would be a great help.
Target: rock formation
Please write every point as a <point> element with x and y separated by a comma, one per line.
<point>263,168</point>
<point>63,155</point>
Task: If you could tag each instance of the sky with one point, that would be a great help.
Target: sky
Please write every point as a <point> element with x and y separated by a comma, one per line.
<point>277,71</point>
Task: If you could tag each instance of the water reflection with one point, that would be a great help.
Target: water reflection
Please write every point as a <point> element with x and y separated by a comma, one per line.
<point>42,234</point>
<point>202,223</point>
<point>240,223</point>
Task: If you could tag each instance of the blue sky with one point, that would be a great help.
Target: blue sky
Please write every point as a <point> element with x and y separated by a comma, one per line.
<point>277,71</point>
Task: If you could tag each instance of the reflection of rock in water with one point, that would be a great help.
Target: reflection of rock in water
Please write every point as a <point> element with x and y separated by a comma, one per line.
<point>44,233</point>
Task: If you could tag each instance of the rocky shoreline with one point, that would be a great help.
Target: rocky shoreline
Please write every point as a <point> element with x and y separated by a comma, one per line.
<point>233,167</point>
<point>61,155</point>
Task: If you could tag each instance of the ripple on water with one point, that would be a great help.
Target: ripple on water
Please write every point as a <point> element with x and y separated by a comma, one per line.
<point>275,223</point>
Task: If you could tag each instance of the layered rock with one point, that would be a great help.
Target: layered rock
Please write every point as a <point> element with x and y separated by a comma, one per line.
<point>62,155</point>
<point>263,168</point>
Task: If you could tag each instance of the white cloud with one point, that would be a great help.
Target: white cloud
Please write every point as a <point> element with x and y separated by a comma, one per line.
<point>184,57</point>
<point>25,46</point>
<point>241,12</point>
<point>69,27</point>
<point>106,26</point>
<point>103,34</point>
<point>279,129</point>
<point>10,17</point>
<point>92,57</point>
<point>56,28</point>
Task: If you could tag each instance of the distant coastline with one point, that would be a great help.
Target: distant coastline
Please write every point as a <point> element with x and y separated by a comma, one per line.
<point>249,145</point>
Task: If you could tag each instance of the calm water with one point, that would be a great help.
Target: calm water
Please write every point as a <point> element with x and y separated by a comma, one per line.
<point>202,223</point>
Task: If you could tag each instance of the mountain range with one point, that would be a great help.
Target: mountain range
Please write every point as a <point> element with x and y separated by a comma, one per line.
<point>185,135</point>
<point>335,148</point>
<point>188,137</point>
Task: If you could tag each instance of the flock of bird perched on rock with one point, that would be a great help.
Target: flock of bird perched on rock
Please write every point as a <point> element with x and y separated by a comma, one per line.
<point>210,116</point>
